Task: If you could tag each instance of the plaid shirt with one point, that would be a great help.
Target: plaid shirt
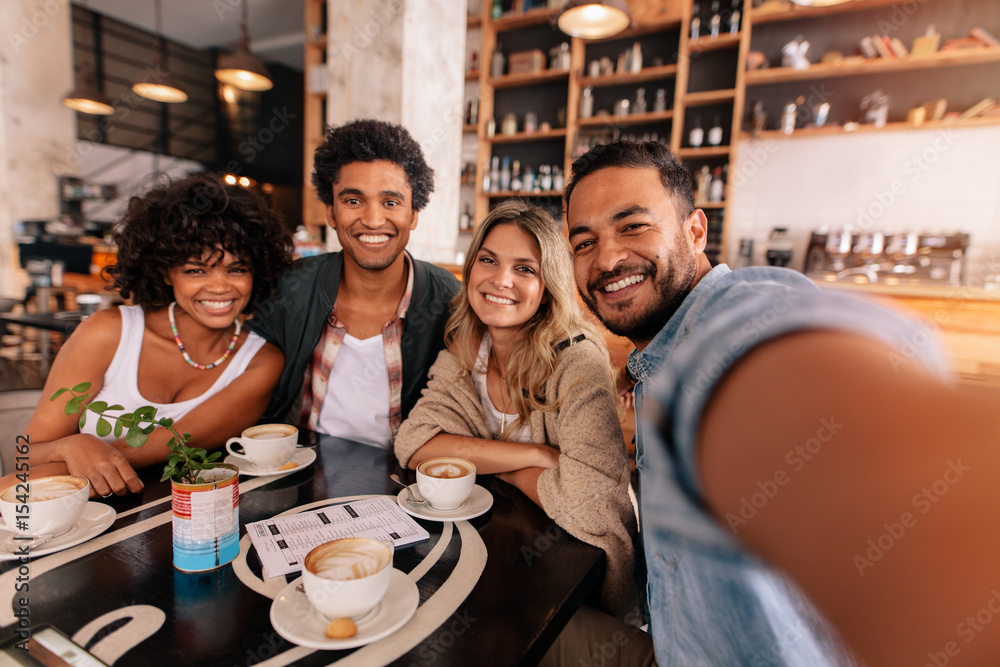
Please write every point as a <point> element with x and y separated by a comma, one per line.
<point>317,374</point>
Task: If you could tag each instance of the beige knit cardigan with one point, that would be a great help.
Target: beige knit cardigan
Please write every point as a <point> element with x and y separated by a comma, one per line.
<point>587,493</point>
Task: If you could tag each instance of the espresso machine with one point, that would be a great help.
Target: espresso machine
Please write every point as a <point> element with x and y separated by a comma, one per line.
<point>895,258</point>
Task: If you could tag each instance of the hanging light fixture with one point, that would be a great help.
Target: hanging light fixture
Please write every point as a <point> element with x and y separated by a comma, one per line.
<point>243,69</point>
<point>594,19</point>
<point>157,86</point>
<point>85,96</point>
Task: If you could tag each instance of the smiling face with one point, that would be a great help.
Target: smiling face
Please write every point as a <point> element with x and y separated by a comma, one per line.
<point>372,213</point>
<point>634,258</point>
<point>214,288</point>
<point>505,284</point>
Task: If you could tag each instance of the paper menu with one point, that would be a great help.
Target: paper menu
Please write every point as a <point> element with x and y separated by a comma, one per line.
<point>283,542</point>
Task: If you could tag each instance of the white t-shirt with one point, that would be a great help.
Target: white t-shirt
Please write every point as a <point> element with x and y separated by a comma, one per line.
<point>495,417</point>
<point>356,406</point>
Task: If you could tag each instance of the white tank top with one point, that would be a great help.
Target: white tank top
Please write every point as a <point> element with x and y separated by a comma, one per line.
<point>121,384</point>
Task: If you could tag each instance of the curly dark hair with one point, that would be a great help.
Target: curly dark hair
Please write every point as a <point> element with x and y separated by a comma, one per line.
<point>366,141</point>
<point>170,224</point>
<point>675,176</point>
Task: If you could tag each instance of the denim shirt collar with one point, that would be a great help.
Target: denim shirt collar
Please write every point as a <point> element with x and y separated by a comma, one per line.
<point>643,365</point>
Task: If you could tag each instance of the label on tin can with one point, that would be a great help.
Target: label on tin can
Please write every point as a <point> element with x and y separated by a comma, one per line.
<point>206,521</point>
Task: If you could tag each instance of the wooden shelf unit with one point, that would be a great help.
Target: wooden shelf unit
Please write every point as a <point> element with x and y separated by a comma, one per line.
<point>855,67</point>
<point>314,112</point>
<point>698,64</point>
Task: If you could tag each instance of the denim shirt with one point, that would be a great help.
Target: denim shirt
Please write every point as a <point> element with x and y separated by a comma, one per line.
<point>709,601</point>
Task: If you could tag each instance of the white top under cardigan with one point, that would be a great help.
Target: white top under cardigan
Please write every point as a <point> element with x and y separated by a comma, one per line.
<point>121,385</point>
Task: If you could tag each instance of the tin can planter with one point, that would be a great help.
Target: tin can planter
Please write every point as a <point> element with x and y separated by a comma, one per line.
<point>206,521</point>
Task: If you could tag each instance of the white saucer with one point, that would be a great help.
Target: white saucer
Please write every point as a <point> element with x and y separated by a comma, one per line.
<point>95,520</point>
<point>479,502</point>
<point>295,619</point>
<point>304,456</point>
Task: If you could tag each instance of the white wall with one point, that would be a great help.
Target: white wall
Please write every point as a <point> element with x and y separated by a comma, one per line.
<point>907,180</point>
<point>37,133</point>
<point>395,60</point>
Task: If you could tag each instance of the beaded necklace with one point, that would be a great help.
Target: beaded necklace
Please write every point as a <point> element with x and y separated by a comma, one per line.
<point>187,357</point>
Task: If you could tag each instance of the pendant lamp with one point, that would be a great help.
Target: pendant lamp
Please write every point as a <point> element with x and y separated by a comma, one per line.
<point>157,85</point>
<point>594,19</point>
<point>243,69</point>
<point>85,96</point>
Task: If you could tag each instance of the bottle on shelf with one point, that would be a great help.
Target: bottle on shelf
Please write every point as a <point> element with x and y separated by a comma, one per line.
<point>660,101</point>
<point>495,175</point>
<point>529,179</point>
<point>734,17</point>
<point>640,101</point>
<point>497,10</point>
<point>587,102</point>
<point>487,175</point>
<point>499,62</point>
<point>545,177</point>
<point>788,113</point>
<point>697,135</point>
<point>718,187</point>
<point>715,23</point>
<point>515,177</point>
<point>465,220</point>
<point>715,133</point>
<point>696,21</point>
<point>505,175</point>
<point>703,183</point>
<point>558,182</point>
<point>474,63</point>
<point>472,111</point>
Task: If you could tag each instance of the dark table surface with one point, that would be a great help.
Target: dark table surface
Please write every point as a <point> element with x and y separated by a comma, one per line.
<point>120,594</point>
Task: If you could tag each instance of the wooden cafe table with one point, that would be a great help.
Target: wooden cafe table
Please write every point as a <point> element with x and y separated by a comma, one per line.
<point>494,590</point>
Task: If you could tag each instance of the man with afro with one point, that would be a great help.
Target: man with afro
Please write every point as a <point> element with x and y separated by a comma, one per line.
<point>360,327</point>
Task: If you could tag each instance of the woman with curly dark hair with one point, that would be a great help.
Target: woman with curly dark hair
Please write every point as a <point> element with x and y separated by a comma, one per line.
<point>195,257</point>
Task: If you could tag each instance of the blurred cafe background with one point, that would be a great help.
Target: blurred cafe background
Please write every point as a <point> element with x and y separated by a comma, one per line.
<point>854,141</point>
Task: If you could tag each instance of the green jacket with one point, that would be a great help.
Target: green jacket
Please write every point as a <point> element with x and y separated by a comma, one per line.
<point>293,320</point>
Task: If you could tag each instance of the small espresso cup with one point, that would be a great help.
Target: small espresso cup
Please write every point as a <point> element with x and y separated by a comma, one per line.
<point>266,445</point>
<point>346,578</point>
<point>446,481</point>
<point>45,506</point>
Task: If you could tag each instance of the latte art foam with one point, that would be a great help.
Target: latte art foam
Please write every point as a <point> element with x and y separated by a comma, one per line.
<point>349,559</point>
<point>47,488</point>
<point>445,470</point>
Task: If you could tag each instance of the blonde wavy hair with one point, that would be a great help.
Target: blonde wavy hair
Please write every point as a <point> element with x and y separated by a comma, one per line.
<point>532,359</point>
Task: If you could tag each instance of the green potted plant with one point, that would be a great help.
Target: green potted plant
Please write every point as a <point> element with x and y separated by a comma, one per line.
<point>205,529</point>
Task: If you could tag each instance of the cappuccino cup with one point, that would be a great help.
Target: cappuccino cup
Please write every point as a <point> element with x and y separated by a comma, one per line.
<point>45,506</point>
<point>346,578</point>
<point>446,481</point>
<point>265,445</point>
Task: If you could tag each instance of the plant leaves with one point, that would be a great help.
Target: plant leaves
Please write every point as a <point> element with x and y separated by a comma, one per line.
<point>82,421</point>
<point>81,388</point>
<point>98,406</point>
<point>116,407</point>
<point>103,427</point>
<point>118,428</point>
<point>135,437</point>
<point>58,393</point>
<point>73,405</point>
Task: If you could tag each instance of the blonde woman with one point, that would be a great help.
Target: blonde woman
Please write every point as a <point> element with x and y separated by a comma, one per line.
<point>524,390</point>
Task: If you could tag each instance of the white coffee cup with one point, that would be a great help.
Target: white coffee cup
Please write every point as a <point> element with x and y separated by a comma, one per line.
<point>45,506</point>
<point>346,578</point>
<point>446,481</point>
<point>266,445</point>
